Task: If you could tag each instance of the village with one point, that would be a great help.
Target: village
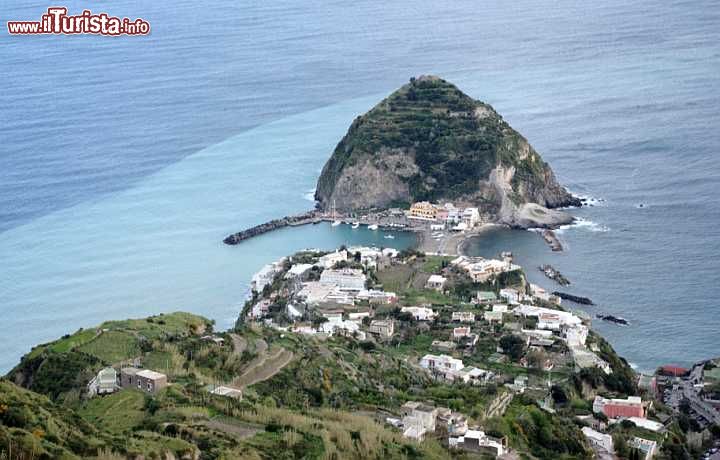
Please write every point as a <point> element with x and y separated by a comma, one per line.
<point>442,349</point>
<point>512,334</point>
<point>469,324</point>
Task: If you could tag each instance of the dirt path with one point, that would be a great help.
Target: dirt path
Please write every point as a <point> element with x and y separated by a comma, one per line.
<point>264,367</point>
<point>239,344</point>
<point>261,347</point>
<point>238,429</point>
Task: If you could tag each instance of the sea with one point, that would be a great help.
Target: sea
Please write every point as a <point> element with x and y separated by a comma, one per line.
<point>124,161</point>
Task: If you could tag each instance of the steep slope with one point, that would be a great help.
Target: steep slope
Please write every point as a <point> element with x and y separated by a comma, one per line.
<point>430,141</point>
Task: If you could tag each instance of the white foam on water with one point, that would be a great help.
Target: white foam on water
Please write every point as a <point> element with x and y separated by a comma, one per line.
<point>310,195</point>
<point>587,200</point>
<point>583,224</point>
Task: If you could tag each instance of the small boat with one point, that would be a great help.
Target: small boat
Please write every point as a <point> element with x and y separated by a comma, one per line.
<point>389,237</point>
<point>373,227</point>
<point>356,225</point>
<point>336,223</point>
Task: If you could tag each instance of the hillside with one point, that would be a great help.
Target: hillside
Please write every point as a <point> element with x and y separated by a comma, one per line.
<point>430,141</point>
<point>303,390</point>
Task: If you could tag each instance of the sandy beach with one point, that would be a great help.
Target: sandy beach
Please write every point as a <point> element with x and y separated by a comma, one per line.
<point>451,243</point>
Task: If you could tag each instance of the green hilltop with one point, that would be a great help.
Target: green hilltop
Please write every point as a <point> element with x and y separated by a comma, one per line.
<point>430,141</point>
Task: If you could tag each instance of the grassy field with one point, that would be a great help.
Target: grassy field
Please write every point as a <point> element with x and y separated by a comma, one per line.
<point>154,327</point>
<point>117,412</point>
<point>113,346</point>
<point>396,278</point>
<point>433,264</point>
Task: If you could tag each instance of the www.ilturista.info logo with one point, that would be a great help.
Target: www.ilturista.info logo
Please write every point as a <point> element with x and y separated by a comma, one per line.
<point>57,21</point>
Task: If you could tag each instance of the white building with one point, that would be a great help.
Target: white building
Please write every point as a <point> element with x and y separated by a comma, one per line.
<point>500,308</point>
<point>105,382</point>
<point>260,309</point>
<point>346,279</point>
<point>298,270</point>
<point>493,316</point>
<point>382,328</point>
<point>599,440</point>
<point>375,296</point>
<point>476,440</point>
<point>420,421</point>
<point>442,363</point>
<point>539,292</point>
<point>480,269</point>
<point>420,313</point>
<point>463,316</point>
<point>460,332</point>
<point>266,275</point>
<point>339,326</point>
<point>646,446</point>
<point>471,217</point>
<point>314,292</point>
<point>329,260</point>
<point>512,296</point>
<point>575,336</point>
<point>435,282</point>
<point>650,425</point>
<point>294,311</point>
<point>563,318</point>
<point>452,369</point>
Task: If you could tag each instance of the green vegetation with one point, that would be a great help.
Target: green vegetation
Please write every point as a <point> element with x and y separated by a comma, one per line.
<point>112,346</point>
<point>312,396</point>
<point>452,140</point>
<point>544,435</point>
<point>116,413</point>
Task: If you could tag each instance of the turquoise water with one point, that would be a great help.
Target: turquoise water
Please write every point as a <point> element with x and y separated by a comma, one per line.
<point>124,162</point>
<point>158,246</point>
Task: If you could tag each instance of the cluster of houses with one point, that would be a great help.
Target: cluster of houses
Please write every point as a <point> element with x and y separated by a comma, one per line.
<point>631,409</point>
<point>420,419</point>
<point>108,381</point>
<point>444,216</point>
<point>334,288</point>
<point>556,324</point>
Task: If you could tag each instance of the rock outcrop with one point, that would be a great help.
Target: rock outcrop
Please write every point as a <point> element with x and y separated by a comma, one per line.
<point>430,141</point>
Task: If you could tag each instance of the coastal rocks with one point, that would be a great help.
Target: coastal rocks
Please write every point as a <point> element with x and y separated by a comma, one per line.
<point>613,319</point>
<point>552,239</point>
<point>554,275</point>
<point>574,298</point>
<point>300,219</point>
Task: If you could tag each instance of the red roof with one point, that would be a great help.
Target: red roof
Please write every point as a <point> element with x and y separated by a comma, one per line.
<point>675,371</point>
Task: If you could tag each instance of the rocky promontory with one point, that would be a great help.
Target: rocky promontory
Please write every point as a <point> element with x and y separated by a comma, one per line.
<point>430,141</point>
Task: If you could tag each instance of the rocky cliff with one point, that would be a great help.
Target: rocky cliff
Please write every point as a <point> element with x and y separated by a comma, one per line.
<point>430,141</point>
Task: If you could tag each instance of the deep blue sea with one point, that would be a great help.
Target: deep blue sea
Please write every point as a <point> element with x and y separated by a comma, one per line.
<point>125,161</point>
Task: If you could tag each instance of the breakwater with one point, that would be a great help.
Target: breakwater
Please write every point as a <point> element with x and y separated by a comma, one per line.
<point>552,240</point>
<point>288,221</point>
<point>574,298</point>
<point>554,274</point>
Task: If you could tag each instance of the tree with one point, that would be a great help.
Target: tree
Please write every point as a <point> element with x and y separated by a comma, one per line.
<point>536,359</point>
<point>513,346</point>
